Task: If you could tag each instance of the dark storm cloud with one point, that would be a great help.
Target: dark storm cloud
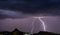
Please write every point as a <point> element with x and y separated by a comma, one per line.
<point>48,7</point>
<point>32,6</point>
<point>12,14</point>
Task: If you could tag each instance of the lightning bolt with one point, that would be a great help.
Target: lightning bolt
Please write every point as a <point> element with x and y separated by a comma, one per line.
<point>43,23</point>
<point>32,26</point>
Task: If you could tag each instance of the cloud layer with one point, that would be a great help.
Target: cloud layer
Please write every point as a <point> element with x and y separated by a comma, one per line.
<point>32,6</point>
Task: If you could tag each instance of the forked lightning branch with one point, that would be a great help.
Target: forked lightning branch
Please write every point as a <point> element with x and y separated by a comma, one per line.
<point>43,23</point>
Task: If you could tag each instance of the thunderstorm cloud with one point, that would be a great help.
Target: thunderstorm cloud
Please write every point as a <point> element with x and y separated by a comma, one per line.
<point>19,13</point>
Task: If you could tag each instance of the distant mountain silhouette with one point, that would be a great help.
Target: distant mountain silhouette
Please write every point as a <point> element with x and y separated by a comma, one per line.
<point>45,33</point>
<point>17,32</point>
<point>14,32</point>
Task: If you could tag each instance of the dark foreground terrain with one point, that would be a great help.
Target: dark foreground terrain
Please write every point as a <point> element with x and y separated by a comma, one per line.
<point>17,32</point>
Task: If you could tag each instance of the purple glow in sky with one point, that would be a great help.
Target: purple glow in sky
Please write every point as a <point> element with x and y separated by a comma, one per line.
<point>52,24</point>
<point>29,22</point>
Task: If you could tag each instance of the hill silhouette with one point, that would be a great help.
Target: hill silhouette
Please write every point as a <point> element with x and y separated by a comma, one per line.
<point>17,32</point>
<point>45,33</point>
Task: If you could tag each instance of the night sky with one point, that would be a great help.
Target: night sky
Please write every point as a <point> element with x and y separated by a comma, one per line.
<point>18,14</point>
